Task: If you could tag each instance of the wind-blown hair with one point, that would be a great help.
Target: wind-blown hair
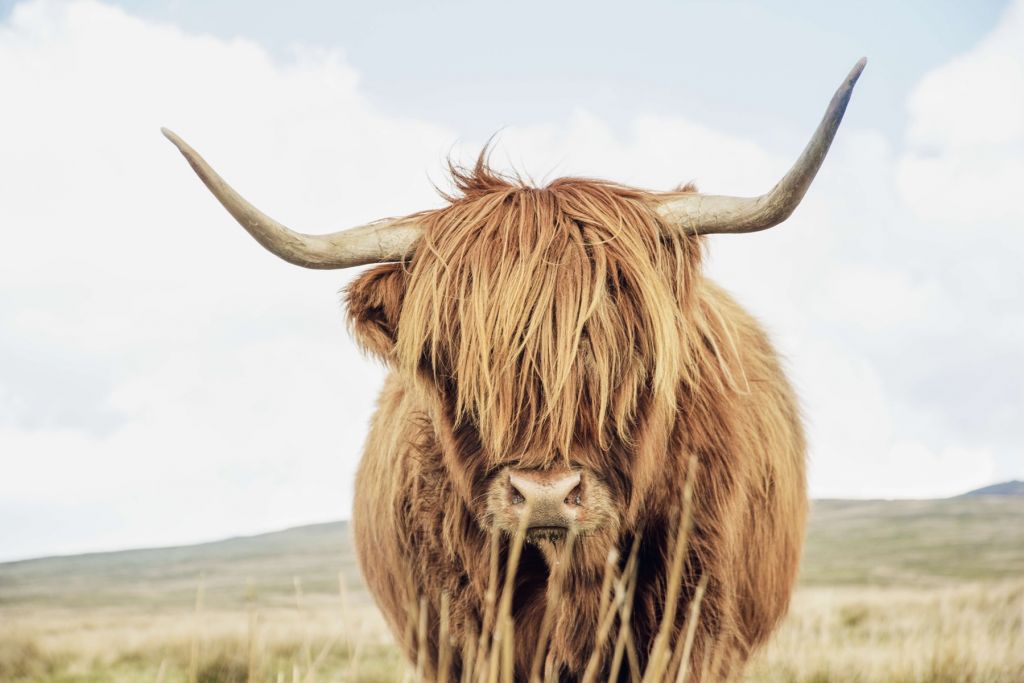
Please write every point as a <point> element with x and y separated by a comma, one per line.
<point>555,315</point>
<point>538,328</point>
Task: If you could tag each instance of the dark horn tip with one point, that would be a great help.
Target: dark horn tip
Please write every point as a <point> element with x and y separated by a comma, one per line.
<point>856,70</point>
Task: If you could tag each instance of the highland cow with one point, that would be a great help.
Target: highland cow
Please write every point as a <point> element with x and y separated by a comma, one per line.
<point>558,364</point>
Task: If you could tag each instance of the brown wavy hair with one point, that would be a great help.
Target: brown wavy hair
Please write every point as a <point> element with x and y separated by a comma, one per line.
<point>560,324</point>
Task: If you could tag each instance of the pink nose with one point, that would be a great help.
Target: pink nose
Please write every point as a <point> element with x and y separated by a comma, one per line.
<point>553,499</point>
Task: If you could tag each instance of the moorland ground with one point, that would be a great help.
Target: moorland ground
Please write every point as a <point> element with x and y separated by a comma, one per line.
<point>889,591</point>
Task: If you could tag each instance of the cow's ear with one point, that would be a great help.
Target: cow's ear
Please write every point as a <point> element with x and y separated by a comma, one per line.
<point>374,302</point>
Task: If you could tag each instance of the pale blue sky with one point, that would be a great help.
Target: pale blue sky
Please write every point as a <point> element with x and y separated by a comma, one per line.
<point>163,380</point>
<point>479,66</point>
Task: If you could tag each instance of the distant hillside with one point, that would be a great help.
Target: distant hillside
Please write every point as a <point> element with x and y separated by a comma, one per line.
<point>232,571</point>
<point>848,543</point>
<point>914,542</point>
<point>1006,488</point>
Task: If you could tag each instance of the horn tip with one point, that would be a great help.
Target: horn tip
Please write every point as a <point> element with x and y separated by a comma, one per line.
<point>857,69</point>
<point>173,137</point>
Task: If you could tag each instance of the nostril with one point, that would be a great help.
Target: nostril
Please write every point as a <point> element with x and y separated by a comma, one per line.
<point>575,496</point>
<point>517,497</point>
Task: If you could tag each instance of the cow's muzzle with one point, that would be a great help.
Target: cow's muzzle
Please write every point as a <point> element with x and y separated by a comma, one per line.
<point>547,503</point>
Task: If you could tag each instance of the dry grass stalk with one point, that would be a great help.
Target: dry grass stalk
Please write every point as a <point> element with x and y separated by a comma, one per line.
<point>412,609</point>
<point>307,652</point>
<point>504,628</point>
<point>321,656</point>
<point>607,582</point>
<point>658,660</point>
<point>444,643</point>
<point>490,599</point>
<point>515,552</point>
<point>508,652</point>
<point>627,587</point>
<point>468,656</point>
<point>193,664</point>
<point>493,663</point>
<point>421,641</point>
<point>252,646</point>
<point>954,632</point>
<point>691,630</point>
<point>553,599</point>
<point>161,673</point>
<point>633,658</point>
<point>550,669</point>
<point>605,622</point>
<point>353,666</point>
<point>504,612</point>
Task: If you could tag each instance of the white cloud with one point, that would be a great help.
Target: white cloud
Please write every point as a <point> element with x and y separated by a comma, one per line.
<point>858,446</point>
<point>965,158</point>
<point>977,99</point>
<point>155,360</point>
<point>164,380</point>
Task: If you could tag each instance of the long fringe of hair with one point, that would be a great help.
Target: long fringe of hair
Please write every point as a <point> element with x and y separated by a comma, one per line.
<point>556,315</point>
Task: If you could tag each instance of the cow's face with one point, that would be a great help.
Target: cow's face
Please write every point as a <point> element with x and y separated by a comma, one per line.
<point>548,328</point>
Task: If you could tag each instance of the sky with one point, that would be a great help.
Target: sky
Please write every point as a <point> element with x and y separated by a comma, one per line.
<point>164,380</point>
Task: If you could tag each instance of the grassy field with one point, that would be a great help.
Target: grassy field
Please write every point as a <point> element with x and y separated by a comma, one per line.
<point>890,591</point>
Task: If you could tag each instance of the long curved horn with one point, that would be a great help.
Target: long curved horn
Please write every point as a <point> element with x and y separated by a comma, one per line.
<point>380,242</point>
<point>703,214</point>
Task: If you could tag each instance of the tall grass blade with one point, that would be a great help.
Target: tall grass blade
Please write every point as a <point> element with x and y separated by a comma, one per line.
<point>553,600</point>
<point>658,660</point>
<point>691,629</point>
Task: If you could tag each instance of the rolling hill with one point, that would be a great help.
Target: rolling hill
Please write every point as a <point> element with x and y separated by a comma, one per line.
<point>1006,488</point>
<point>881,543</point>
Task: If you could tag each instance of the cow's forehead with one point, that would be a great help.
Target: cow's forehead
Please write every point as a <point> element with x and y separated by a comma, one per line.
<point>554,315</point>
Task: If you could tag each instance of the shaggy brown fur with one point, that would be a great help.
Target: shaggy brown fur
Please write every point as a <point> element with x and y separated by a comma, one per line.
<point>545,327</point>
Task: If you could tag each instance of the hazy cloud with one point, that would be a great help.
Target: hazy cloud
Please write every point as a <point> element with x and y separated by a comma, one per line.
<point>162,379</point>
